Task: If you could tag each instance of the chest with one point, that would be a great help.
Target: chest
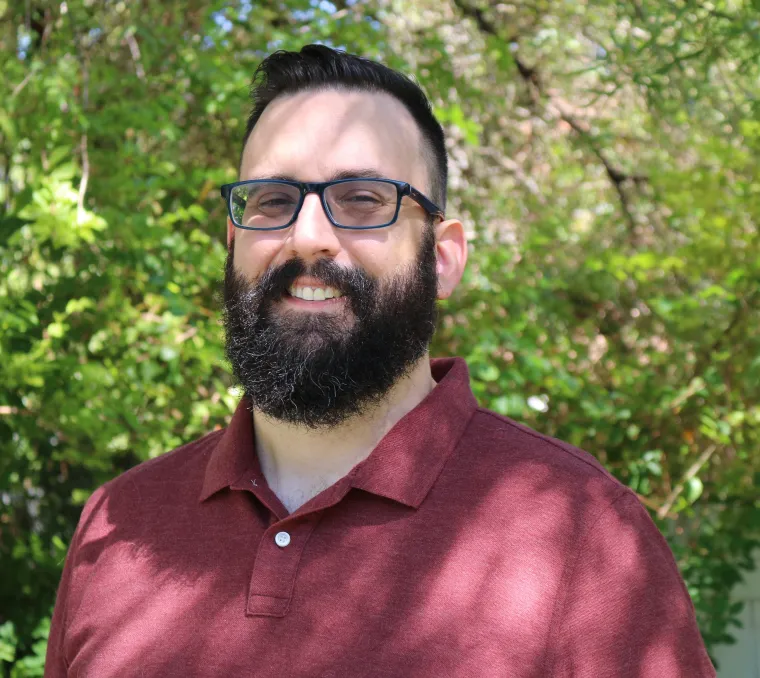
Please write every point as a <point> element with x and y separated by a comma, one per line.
<point>335,594</point>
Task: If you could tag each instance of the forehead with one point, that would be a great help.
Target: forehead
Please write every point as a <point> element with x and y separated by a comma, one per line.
<point>313,135</point>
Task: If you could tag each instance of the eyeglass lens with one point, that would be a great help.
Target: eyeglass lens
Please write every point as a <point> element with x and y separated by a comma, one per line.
<point>354,204</point>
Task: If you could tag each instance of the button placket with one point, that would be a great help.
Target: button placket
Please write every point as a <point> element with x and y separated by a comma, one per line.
<point>276,566</point>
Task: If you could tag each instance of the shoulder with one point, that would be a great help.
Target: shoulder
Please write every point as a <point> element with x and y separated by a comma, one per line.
<point>535,468</point>
<point>165,479</point>
<point>181,464</point>
<point>501,435</point>
<point>556,496</point>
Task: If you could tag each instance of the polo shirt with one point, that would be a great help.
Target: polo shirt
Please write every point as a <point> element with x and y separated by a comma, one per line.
<point>464,545</point>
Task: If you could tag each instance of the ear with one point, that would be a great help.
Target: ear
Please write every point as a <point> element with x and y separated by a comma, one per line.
<point>451,255</point>
<point>230,232</point>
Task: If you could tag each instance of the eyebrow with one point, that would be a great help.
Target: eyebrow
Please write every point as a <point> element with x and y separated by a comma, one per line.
<point>357,173</point>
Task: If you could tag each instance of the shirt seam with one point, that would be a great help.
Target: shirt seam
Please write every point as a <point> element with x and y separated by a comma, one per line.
<point>548,441</point>
<point>558,611</point>
<point>300,560</point>
<point>73,548</point>
<point>86,516</point>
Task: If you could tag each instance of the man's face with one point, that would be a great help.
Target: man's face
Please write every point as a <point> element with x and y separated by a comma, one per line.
<point>313,136</point>
<point>319,362</point>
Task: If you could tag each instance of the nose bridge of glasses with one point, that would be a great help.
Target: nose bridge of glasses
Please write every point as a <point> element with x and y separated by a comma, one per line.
<point>313,208</point>
<point>318,189</point>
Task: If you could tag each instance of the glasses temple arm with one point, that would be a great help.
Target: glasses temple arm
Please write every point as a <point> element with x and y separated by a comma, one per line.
<point>425,202</point>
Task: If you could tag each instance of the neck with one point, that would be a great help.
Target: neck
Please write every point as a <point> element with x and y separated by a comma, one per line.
<point>299,462</point>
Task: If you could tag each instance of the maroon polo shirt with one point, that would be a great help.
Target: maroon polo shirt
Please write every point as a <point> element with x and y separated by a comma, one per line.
<point>464,545</point>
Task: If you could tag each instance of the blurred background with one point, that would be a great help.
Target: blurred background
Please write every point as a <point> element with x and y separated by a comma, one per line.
<point>604,157</point>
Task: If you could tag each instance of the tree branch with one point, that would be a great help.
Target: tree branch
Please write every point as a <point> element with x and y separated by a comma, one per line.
<point>83,143</point>
<point>532,77</point>
<point>17,89</point>
<point>134,50</point>
<point>84,180</point>
<point>690,473</point>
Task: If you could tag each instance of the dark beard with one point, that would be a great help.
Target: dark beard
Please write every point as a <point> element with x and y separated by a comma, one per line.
<point>318,369</point>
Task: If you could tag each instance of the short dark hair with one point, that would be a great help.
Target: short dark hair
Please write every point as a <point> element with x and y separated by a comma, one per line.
<point>317,67</point>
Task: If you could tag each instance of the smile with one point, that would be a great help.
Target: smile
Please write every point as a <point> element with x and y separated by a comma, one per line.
<point>311,293</point>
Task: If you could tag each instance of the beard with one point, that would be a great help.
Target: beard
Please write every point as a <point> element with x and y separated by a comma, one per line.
<point>320,369</point>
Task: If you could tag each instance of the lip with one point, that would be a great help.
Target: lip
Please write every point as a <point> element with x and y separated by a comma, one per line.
<point>295,302</point>
<point>306,281</point>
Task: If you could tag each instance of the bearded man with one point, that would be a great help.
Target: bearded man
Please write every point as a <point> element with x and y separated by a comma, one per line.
<point>361,515</point>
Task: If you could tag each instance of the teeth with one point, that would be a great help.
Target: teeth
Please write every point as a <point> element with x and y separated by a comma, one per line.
<point>314,293</point>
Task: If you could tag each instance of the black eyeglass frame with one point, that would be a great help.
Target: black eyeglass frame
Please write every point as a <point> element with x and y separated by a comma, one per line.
<point>402,189</point>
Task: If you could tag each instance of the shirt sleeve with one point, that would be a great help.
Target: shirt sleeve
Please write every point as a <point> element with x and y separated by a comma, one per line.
<point>624,611</point>
<point>55,662</point>
<point>56,665</point>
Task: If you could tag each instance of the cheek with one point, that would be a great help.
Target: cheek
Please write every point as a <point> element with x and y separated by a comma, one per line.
<point>255,252</point>
<point>380,259</point>
<point>391,256</point>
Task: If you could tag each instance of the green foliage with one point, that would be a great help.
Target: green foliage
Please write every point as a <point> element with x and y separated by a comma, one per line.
<point>604,158</point>
<point>31,665</point>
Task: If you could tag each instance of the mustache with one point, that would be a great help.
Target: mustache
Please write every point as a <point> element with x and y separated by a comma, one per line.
<point>355,283</point>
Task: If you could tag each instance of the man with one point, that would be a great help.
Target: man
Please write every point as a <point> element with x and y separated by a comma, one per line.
<point>361,516</point>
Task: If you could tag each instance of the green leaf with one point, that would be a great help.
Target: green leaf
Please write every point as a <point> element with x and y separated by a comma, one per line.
<point>8,642</point>
<point>693,489</point>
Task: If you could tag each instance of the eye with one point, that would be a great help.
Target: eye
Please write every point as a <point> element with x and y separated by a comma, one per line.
<point>271,201</point>
<point>363,197</point>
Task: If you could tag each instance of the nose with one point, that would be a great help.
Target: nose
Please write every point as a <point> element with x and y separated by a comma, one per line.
<point>312,236</point>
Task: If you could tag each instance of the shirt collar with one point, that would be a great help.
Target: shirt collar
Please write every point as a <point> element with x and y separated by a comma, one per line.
<point>405,463</point>
<point>234,454</point>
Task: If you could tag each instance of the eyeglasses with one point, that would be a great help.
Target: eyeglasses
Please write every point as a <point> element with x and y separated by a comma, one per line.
<point>358,204</point>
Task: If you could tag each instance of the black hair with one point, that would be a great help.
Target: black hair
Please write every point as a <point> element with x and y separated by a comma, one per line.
<point>317,67</point>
